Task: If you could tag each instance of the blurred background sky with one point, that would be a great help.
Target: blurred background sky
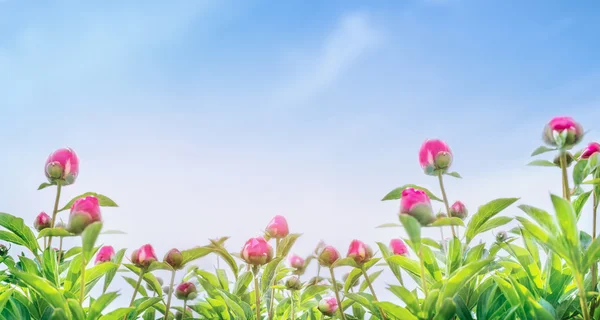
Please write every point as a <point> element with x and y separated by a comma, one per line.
<point>204,119</point>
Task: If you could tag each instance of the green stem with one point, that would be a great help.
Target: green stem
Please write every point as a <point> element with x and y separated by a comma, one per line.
<point>565,176</point>
<point>445,200</point>
<point>364,272</point>
<point>423,282</point>
<point>184,309</point>
<point>582,298</point>
<point>595,265</point>
<point>337,294</point>
<point>273,290</point>
<point>170,293</point>
<point>257,293</point>
<point>59,250</point>
<point>137,287</point>
<point>293,311</point>
<point>55,211</point>
<point>82,288</point>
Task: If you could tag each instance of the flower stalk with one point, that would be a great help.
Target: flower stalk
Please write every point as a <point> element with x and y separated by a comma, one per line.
<point>441,180</point>
<point>337,293</point>
<point>170,294</point>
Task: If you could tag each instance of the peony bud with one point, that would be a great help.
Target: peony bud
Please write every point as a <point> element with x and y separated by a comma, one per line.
<point>416,203</point>
<point>257,251</point>
<point>174,258</point>
<point>458,210</point>
<point>590,150</point>
<point>62,165</point>
<point>42,221</point>
<point>277,228</point>
<point>159,280</point>
<point>144,256</point>
<point>3,251</point>
<point>398,247</point>
<point>186,291</point>
<point>84,212</point>
<point>296,261</point>
<point>328,256</point>
<point>328,306</point>
<point>501,236</point>
<point>105,254</point>
<point>435,156</point>
<point>293,283</point>
<point>563,132</point>
<point>360,252</point>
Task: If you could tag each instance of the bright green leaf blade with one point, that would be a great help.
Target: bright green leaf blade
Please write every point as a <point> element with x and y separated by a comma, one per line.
<point>542,217</point>
<point>494,222</point>
<point>454,174</point>
<point>580,172</point>
<point>447,221</point>
<point>103,200</point>
<point>88,238</point>
<point>43,287</point>
<point>98,305</point>
<point>195,253</point>
<point>540,150</point>
<point>413,229</point>
<point>397,193</point>
<point>567,220</point>
<point>55,232</point>
<point>542,163</point>
<point>286,244</point>
<point>345,262</point>
<point>18,227</point>
<point>269,274</point>
<point>484,213</point>
<point>395,311</point>
<point>462,276</point>
<point>579,202</point>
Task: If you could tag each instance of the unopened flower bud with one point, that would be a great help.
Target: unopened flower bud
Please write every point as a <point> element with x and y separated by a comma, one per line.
<point>296,262</point>
<point>293,283</point>
<point>417,204</point>
<point>328,306</point>
<point>591,148</point>
<point>328,256</point>
<point>105,254</point>
<point>84,212</point>
<point>458,210</point>
<point>3,251</point>
<point>257,251</point>
<point>174,258</point>
<point>42,221</point>
<point>501,236</point>
<point>435,156</point>
<point>62,165</point>
<point>277,228</point>
<point>186,291</point>
<point>398,247</point>
<point>360,252</point>
<point>144,256</point>
<point>562,132</point>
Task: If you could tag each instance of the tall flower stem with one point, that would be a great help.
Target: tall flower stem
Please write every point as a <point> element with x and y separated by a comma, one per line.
<point>565,176</point>
<point>364,272</point>
<point>170,293</point>
<point>293,310</point>
<point>256,292</point>
<point>55,211</point>
<point>423,282</point>
<point>272,289</point>
<point>441,179</point>
<point>582,299</point>
<point>184,309</point>
<point>337,294</point>
<point>137,288</point>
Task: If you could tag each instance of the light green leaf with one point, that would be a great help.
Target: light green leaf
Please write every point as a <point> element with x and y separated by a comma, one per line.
<point>447,311</point>
<point>567,220</point>
<point>542,163</point>
<point>484,213</point>
<point>345,262</point>
<point>494,223</point>
<point>76,309</point>
<point>462,276</point>
<point>242,283</point>
<point>18,227</point>
<point>117,314</point>
<point>55,232</point>
<point>286,244</point>
<point>43,287</point>
<point>397,193</point>
<point>454,174</point>
<point>103,201</point>
<point>395,311</point>
<point>447,221</point>
<point>45,185</point>
<point>88,239</point>
<point>592,181</point>
<point>389,225</point>
<point>195,253</point>
<point>579,202</point>
<point>580,172</point>
<point>542,217</point>
<point>100,304</point>
<point>269,274</point>
<point>413,228</point>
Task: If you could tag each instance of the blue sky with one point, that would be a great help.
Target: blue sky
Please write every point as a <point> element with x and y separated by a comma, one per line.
<point>206,118</point>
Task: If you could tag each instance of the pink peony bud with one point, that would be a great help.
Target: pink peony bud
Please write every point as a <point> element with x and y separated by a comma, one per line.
<point>459,210</point>
<point>435,155</point>
<point>590,150</point>
<point>328,256</point>
<point>62,165</point>
<point>186,291</point>
<point>277,228</point>
<point>257,251</point>
<point>42,221</point>
<point>105,254</point>
<point>328,306</point>
<point>174,258</point>
<point>416,203</point>
<point>144,256</point>
<point>360,252</point>
<point>563,132</point>
<point>296,261</point>
<point>84,212</point>
<point>398,247</point>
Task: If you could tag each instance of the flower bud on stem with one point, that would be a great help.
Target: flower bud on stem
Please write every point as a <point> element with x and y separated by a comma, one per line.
<point>337,294</point>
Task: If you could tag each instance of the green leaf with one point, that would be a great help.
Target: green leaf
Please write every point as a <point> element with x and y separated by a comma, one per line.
<point>286,244</point>
<point>397,193</point>
<point>117,314</point>
<point>541,149</point>
<point>76,309</point>
<point>580,172</point>
<point>447,221</point>
<point>94,273</point>
<point>98,305</point>
<point>579,202</point>
<point>195,253</point>
<point>12,238</point>
<point>345,262</point>
<point>592,254</point>
<point>593,162</point>
<point>413,229</point>
<point>411,266</point>
<point>311,291</point>
<point>494,223</point>
<point>269,274</point>
<point>18,227</point>
<point>45,185</point>
<point>132,282</point>
<point>113,232</point>
<point>447,311</point>
<point>49,267</point>
<point>88,239</point>
<point>567,220</point>
<point>484,213</point>
<point>103,201</point>
<point>462,276</point>
<point>4,297</point>
<point>453,260</point>
<point>372,278</point>
<point>43,287</point>
<point>395,311</point>
<point>242,283</point>
<point>542,163</point>
<point>389,225</point>
<point>592,181</point>
<point>55,232</point>
<point>454,174</point>
<point>146,303</point>
<point>542,217</point>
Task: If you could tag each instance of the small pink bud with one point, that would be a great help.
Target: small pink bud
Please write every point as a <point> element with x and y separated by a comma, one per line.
<point>84,212</point>
<point>435,155</point>
<point>328,256</point>
<point>186,291</point>
<point>174,258</point>
<point>562,132</point>
<point>105,254</point>
<point>416,203</point>
<point>42,221</point>
<point>398,247</point>
<point>144,256</point>
<point>328,306</point>
<point>257,251</point>
<point>277,228</point>
<point>360,252</point>
<point>459,210</point>
<point>590,150</point>
<point>296,261</point>
<point>62,165</point>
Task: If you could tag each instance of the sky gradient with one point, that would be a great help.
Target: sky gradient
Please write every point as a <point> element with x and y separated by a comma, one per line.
<point>204,119</point>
